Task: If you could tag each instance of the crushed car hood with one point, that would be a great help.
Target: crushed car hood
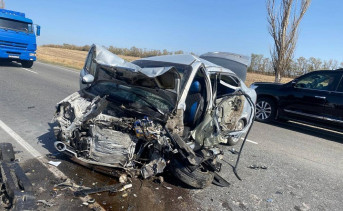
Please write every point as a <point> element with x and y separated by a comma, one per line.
<point>120,67</point>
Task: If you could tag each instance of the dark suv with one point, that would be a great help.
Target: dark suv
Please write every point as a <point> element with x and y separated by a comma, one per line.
<point>316,97</point>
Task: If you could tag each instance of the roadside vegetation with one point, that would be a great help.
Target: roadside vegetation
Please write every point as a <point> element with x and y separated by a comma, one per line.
<point>73,58</point>
<point>297,66</point>
<point>260,69</point>
<point>133,51</point>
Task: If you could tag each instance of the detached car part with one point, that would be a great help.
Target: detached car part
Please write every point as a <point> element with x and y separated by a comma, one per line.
<point>16,190</point>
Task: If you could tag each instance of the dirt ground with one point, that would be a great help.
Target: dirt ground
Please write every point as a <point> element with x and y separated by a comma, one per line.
<point>255,77</point>
<point>75,59</point>
<point>69,58</point>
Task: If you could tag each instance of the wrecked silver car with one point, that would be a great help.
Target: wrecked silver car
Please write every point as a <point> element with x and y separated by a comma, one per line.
<point>140,118</point>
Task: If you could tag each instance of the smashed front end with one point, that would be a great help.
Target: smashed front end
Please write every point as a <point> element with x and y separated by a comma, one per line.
<point>136,120</point>
<point>93,132</point>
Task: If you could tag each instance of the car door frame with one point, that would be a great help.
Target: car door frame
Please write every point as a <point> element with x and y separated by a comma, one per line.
<point>334,105</point>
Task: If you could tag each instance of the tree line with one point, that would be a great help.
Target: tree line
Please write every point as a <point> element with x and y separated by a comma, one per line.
<point>258,64</point>
<point>133,51</point>
<point>294,68</point>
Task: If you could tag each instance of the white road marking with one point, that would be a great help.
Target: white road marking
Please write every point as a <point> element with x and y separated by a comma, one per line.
<point>55,171</point>
<point>66,69</point>
<point>20,141</point>
<point>30,71</point>
<point>250,141</point>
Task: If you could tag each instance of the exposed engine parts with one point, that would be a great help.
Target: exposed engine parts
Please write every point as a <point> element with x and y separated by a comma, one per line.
<point>86,131</point>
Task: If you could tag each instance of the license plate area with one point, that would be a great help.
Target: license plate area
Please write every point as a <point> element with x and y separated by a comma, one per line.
<point>13,56</point>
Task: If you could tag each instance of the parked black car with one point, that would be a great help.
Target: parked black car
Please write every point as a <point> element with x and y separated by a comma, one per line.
<point>316,97</point>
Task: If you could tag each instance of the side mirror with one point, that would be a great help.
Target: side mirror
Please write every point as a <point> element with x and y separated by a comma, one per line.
<point>293,83</point>
<point>38,30</point>
<point>87,79</point>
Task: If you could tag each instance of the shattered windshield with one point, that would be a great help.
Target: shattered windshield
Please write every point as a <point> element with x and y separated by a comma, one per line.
<point>15,25</point>
<point>137,97</point>
<point>183,70</point>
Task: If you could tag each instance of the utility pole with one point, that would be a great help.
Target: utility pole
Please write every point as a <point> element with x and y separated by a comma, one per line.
<point>2,4</point>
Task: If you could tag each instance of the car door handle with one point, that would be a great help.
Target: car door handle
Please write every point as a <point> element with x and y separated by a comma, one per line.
<point>320,97</point>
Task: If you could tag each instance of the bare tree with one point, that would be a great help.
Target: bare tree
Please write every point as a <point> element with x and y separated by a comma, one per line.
<point>283,27</point>
<point>314,64</point>
<point>302,65</point>
<point>330,65</point>
<point>334,65</point>
<point>2,4</point>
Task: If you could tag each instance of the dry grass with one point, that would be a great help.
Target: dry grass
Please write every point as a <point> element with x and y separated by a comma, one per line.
<point>255,77</point>
<point>75,59</point>
<point>69,58</point>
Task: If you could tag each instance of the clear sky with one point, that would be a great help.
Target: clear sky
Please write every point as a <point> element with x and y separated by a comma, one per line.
<point>197,26</point>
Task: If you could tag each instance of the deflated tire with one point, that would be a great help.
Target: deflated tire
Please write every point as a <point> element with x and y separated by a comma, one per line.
<point>197,179</point>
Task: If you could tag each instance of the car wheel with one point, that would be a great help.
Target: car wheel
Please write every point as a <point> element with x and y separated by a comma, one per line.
<point>265,109</point>
<point>26,64</point>
<point>197,179</point>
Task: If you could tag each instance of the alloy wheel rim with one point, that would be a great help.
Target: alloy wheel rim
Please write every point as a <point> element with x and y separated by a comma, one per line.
<point>263,110</point>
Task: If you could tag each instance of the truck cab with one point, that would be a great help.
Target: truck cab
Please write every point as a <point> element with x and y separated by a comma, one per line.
<point>17,38</point>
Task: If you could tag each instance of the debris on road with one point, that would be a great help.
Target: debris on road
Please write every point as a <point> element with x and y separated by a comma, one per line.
<point>111,188</point>
<point>66,183</point>
<point>45,202</point>
<point>91,201</point>
<point>126,187</point>
<point>123,178</point>
<point>256,167</point>
<point>303,207</point>
<point>233,151</point>
<point>16,190</point>
<point>169,188</point>
<point>55,163</point>
<point>269,200</point>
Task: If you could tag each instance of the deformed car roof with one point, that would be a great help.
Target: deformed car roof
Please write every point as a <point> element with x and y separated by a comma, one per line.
<point>187,59</point>
<point>107,58</point>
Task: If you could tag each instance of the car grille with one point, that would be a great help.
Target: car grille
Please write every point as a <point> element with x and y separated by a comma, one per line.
<point>13,45</point>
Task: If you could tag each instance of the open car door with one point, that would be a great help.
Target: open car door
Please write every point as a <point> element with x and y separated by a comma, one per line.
<point>229,105</point>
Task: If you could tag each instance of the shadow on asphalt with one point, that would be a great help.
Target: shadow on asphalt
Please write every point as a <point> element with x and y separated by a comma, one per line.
<point>47,139</point>
<point>331,135</point>
<point>9,64</point>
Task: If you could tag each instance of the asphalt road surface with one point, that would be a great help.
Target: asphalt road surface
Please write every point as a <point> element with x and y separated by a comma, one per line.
<point>304,164</point>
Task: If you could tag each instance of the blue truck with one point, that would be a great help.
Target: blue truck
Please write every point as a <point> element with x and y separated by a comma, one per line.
<point>17,38</point>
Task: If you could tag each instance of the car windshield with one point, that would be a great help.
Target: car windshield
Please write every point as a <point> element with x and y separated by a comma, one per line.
<point>135,96</point>
<point>15,25</point>
<point>183,70</point>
